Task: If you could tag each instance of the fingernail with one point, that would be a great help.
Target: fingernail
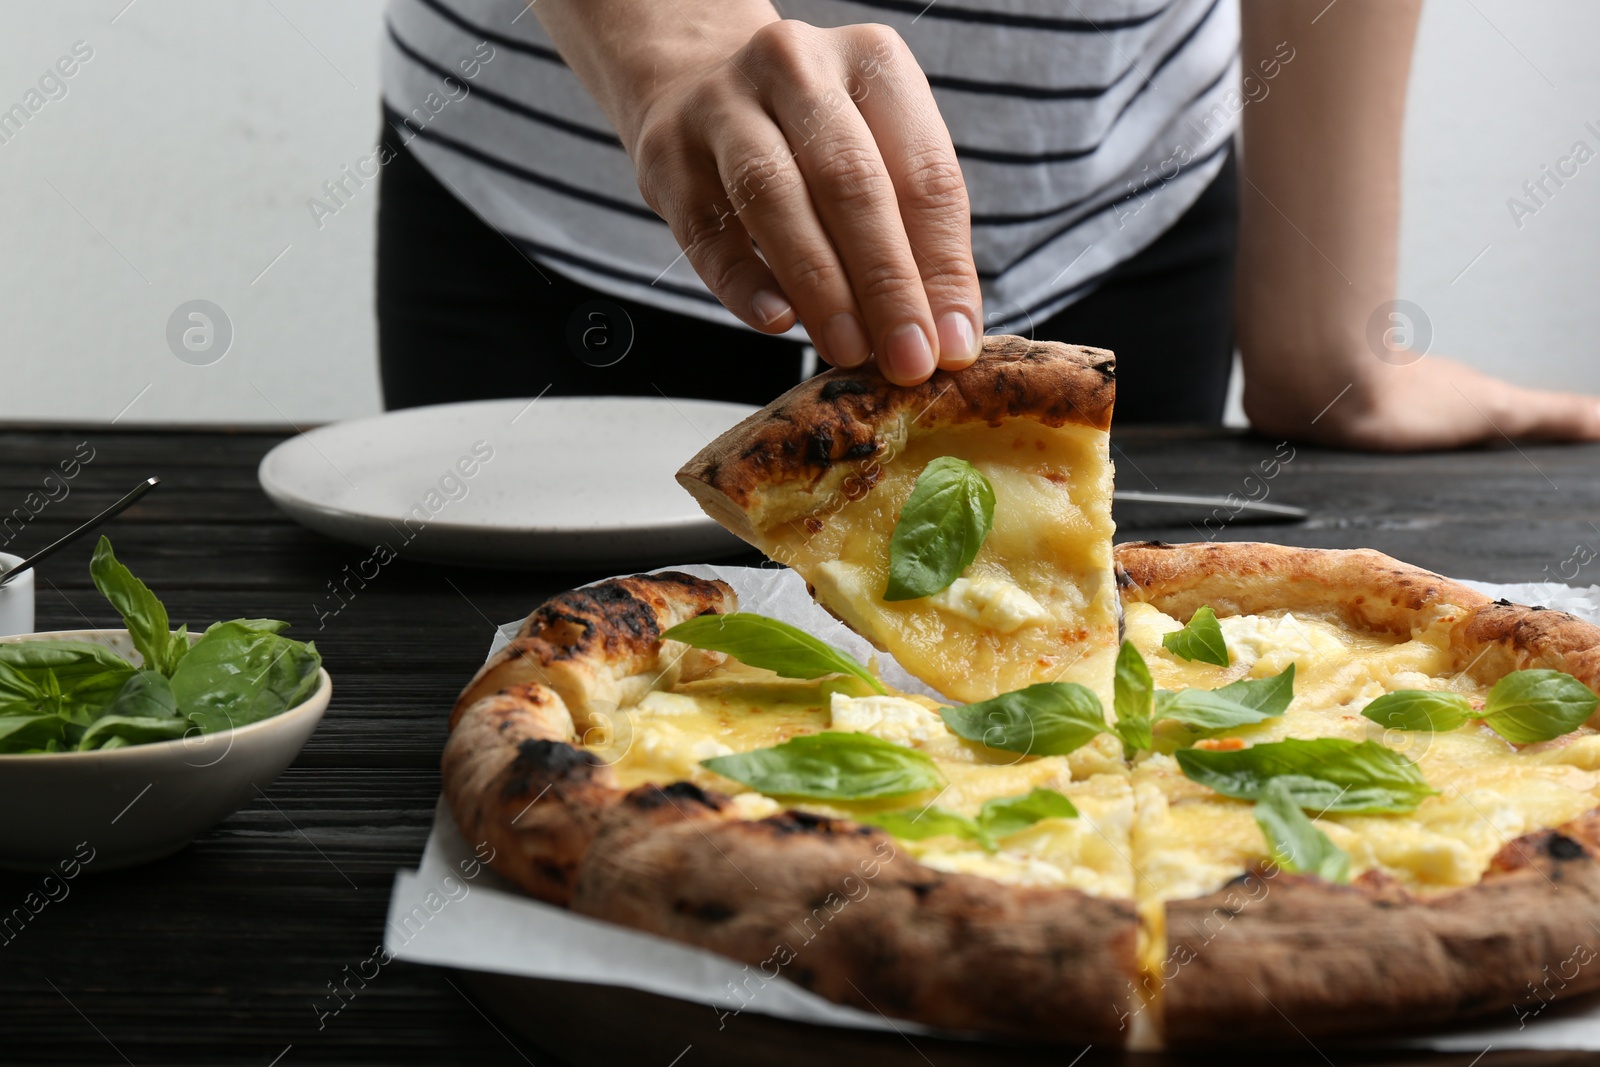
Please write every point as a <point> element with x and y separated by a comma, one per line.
<point>958,341</point>
<point>908,355</point>
<point>769,307</point>
<point>845,341</point>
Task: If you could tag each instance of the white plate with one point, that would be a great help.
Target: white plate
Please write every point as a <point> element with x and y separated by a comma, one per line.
<point>554,482</point>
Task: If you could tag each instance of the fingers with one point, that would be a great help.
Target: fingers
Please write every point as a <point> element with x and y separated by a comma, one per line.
<point>708,229</point>
<point>855,199</point>
<point>1553,416</point>
<point>894,98</point>
<point>800,76</point>
<point>777,209</point>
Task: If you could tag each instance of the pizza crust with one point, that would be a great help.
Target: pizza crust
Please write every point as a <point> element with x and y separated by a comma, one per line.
<point>1289,957</point>
<point>762,473</point>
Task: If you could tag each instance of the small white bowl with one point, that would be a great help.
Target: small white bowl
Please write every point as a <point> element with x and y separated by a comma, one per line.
<point>16,599</point>
<point>130,805</point>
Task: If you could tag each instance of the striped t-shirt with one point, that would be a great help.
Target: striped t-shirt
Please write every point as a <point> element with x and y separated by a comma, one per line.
<point>1084,130</point>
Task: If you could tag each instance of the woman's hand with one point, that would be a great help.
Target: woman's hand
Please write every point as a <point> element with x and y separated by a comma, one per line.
<point>1320,215</point>
<point>822,148</point>
<point>1432,403</point>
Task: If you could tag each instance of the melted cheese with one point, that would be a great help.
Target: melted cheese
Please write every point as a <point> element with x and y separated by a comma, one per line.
<point>1039,601</point>
<point>994,603</point>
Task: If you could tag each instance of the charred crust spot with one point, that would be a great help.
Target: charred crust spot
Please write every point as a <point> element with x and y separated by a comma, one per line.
<point>559,873</point>
<point>710,911</point>
<point>653,797</point>
<point>843,387</point>
<point>544,762</point>
<point>552,757</point>
<point>1562,847</point>
<point>922,889</point>
<point>862,450</point>
<point>819,449</point>
<point>1504,603</point>
<point>802,822</point>
<point>1107,368</point>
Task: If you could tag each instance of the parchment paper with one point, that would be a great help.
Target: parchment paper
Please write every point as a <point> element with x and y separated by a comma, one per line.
<point>454,911</point>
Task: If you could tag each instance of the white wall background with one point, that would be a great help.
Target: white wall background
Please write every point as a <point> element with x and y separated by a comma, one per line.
<point>179,163</point>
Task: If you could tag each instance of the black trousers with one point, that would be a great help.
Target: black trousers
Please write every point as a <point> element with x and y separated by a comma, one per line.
<point>463,315</point>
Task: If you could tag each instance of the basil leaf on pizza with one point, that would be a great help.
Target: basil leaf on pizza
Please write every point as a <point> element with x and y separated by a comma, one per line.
<point>1294,841</point>
<point>999,817</point>
<point>1045,719</point>
<point>1004,816</point>
<point>1132,692</point>
<point>1322,775</point>
<point>1537,705</point>
<point>831,766</point>
<point>1420,709</point>
<point>758,641</point>
<point>1200,640</point>
<point>1241,703</point>
<point>941,527</point>
<point>915,824</point>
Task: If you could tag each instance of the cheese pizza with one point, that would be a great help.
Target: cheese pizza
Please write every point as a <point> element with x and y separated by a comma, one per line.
<point>1175,793</point>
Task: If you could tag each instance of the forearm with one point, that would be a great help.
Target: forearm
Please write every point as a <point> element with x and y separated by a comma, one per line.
<point>625,51</point>
<point>1320,201</point>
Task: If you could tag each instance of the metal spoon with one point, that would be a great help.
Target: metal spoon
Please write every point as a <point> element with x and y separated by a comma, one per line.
<point>49,550</point>
<point>1262,511</point>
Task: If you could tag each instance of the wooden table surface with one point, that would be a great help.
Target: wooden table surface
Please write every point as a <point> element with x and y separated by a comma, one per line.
<point>223,952</point>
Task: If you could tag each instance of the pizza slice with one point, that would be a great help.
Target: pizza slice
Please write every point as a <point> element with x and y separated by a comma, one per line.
<point>963,525</point>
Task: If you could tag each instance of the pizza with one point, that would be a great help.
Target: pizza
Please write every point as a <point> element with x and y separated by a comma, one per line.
<point>1174,793</point>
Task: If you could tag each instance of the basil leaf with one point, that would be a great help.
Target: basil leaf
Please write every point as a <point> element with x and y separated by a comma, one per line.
<point>89,675</point>
<point>1132,691</point>
<point>24,695</point>
<point>1005,816</point>
<point>1324,774</point>
<point>1240,703</point>
<point>1200,640</point>
<point>271,626</point>
<point>146,694</point>
<point>1294,841</point>
<point>771,645</point>
<point>831,766</point>
<point>914,824</point>
<point>235,675</point>
<point>142,613</point>
<point>1045,719</point>
<point>19,693</point>
<point>1420,709</point>
<point>132,730</point>
<point>1537,705</point>
<point>941,527</point>
<point>31,733</point>
<point>73,662</point>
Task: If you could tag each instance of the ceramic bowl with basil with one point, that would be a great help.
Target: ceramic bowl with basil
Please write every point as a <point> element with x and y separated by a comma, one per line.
<point>125,744</point>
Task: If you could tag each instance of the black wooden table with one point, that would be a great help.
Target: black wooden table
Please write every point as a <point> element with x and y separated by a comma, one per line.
<point>223,952</point>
